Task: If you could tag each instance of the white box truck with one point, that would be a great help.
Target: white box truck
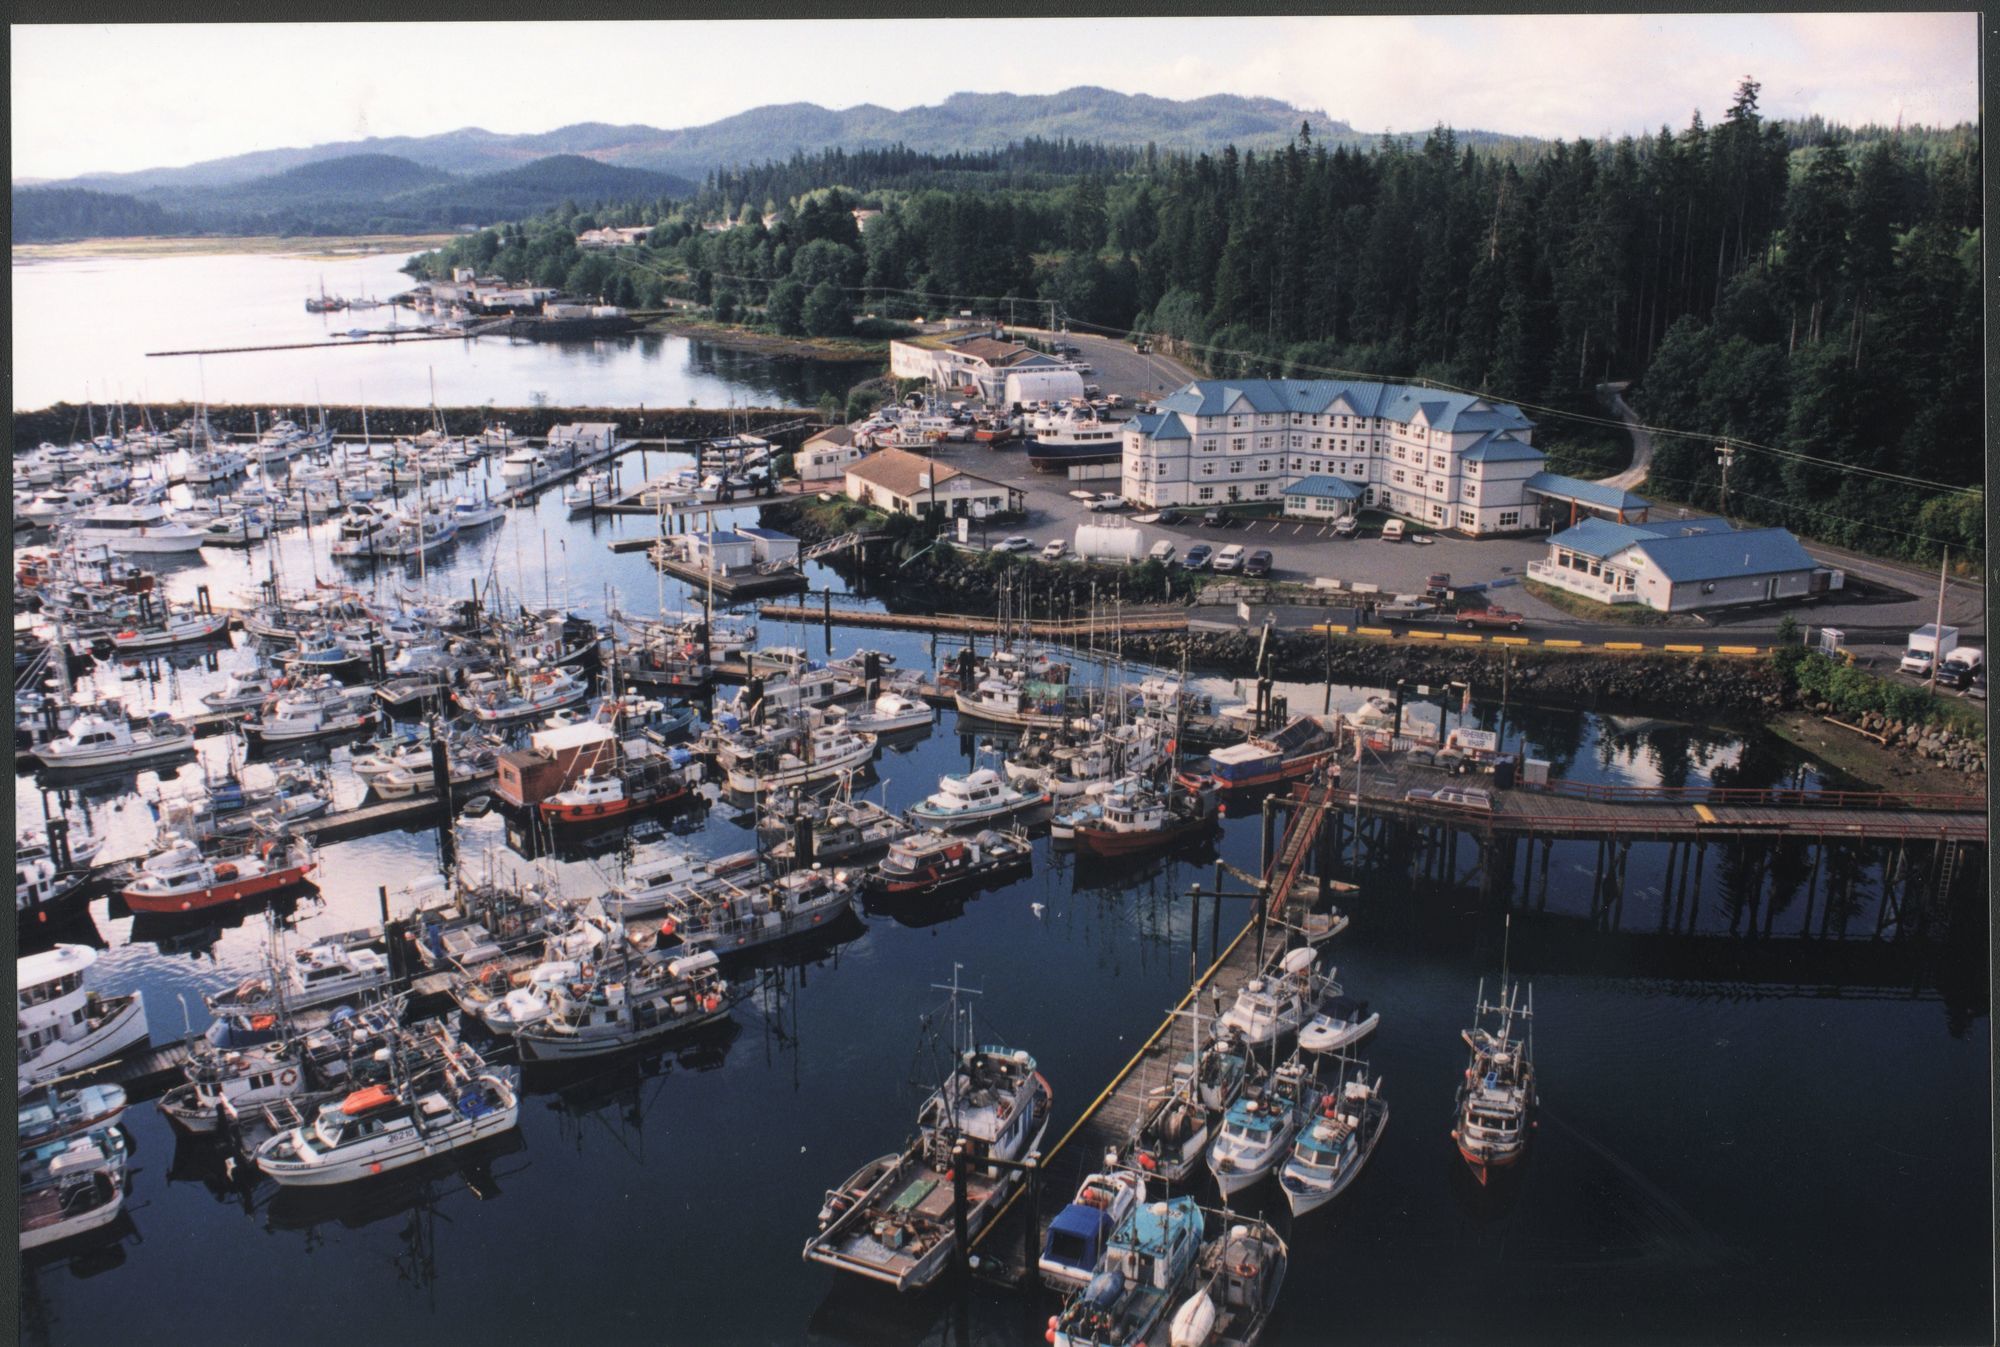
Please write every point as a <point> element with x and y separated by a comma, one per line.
<point>1928,642</point>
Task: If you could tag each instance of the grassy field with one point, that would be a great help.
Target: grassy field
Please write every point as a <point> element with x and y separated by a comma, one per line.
<point>329,248</point>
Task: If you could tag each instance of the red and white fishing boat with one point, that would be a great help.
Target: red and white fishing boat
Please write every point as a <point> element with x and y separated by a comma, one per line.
<point>620,791</point>
<point>180,878</point>
<point>1139,817</point>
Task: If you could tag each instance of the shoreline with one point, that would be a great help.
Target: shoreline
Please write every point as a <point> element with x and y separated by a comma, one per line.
<point>769,343</point>
<point>332,247</point>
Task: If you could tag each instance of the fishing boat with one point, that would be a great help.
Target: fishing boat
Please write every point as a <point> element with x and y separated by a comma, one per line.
<point>1496,1098</point>
<point>522,467</point>
<point>313,711</point>
<point>730,918</point>
<point>892,1220</point>
<point>1340,1022</point>
<point>418,534</point>
<point>55,1114</point>
<point>360,530</point>
<point>1263,760</point>
<point>1236,1282</point>
<point>239,528</point>
<point>1222,1069</point>
<point>891,712</point>
<point>39,884</point>
<point>389,1126</point>
<point>470,513</point>
<point>1072,437</point>
<point>520,695</point>
<point>975,797</point>
<point>321,651</point>
<point>661,872</point>
<point>1257,1130</point>
<point>1151,1260</point>
<point>96,740</point>
<point>62,1027</point>
<point>825,752</point>
<point>620,1003</point>
<point>470,761</point>
<point>71,1187</point>
<point>1171,1134</point>
<point>1137,817</point>
<point>215,465</point>
<point>931,861</point>
<point>1279,1001</point>
<point>1006,700</point>
<point>225,1085</point>
<point>183,628</point>
<point>1081,1232</point>
<point>847,829</point>
<point>631,785</point>
<point>245,689</point>
<point>180,878</point>
<point>332,970</point>
<point>588,492</point>
<point>1332,1148</point>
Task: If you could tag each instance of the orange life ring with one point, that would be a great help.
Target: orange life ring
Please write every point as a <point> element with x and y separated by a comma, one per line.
<point>288,1077</point>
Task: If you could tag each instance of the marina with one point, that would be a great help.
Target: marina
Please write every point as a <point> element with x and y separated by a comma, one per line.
<point>771,952</point>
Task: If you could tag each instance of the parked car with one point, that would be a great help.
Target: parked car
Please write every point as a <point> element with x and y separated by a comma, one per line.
<point>1107,504</point>
<point>1392,532</point>
<point>1054,551</point>
<point>1214,519</point>
<point>1162,552</point>
<point>1344,526</point>
<point>1171,516</point>
<point>1490,617</point>
<point>1257,563</point>
<point>1229,558</point>
<point>1196,557</point>
<point>1014,544</point>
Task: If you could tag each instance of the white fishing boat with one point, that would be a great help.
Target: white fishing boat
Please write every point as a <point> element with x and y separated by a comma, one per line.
<point>1151,1259</point>
<point>891,712</point>
<point>522,694</point>
<point>1280,1001</point>
<point>384,1127</point>
<point>589,491</point>
<point>472,513</point>
<point>826,752</point>
<point>317,975</point>
<point>1236,1285</point>
<point>621,1003</point>
<point>419,534</point>
<point>55,1114</point>
<point>96,740</point>
<point>522,466</point>
<point>975,797</point>
<point>238,529</point>
<point>662,872</point>
<point>182,628</point>
<point>245,689</point>
<point>1496,1097</point>
<point>1080,1233</point>
<point>1257,1131</point>
<point>315,711</point>
<point>1335,1144</point>
<point>71,1187</point>
<point>62,1027</point>
<point>215,465</point>
<point>1340,1022</point>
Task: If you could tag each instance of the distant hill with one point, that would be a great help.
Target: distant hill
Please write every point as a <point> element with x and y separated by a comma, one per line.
<point>964,121</point>
<point>352,194</point>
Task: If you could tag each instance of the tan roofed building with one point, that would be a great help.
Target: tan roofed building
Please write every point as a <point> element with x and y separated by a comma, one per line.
<point>900,482</point>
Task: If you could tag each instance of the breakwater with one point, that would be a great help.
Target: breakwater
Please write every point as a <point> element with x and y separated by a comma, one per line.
<point>64,421</point>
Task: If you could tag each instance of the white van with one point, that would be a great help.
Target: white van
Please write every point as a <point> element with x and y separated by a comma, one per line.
<point>1229,558</point>
<point>1162,552</point>
<point>1392,532</point>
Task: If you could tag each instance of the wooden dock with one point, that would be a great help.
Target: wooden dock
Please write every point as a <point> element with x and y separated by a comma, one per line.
<point>1131,620</point>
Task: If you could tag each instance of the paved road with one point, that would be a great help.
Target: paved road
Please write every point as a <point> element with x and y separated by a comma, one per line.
<point>1642,443</point>
<point>1118,368</point>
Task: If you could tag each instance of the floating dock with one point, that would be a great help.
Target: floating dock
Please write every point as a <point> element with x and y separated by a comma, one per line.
<point>1131,620</point>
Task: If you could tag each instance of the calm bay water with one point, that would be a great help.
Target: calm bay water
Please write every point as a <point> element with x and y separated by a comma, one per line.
<point>86,325</point>
<point>1743,1140</point>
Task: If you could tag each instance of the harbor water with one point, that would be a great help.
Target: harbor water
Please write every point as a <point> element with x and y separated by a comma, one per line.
<point>1749,1132</point>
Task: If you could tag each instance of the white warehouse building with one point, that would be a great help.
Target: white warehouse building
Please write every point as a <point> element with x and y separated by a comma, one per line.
<point>1447,460</point>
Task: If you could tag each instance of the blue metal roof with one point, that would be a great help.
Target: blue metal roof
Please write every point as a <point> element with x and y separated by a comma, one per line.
<point>768,535</point>
<point>1149,1232</point>
<point>1499,447</point>
<point>1316,397</point>
<point>1601,537</point>
<point>1585,493</point>
<point>1716,556</point>
<point>1331,487</point>
<point>723,536</point>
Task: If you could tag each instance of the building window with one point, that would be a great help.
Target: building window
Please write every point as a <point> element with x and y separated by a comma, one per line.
<point>1298,441</point>
<point>1466,519</point>
<point>1437,462</point>
<point>1471,491</point>
<point>1397,477</point>
<point>1263,488</point>
<point>1437,513</point>
<point>1204,493</point>
<point>1510,519</point>
<point>1238,445</point>
<point>1236,467</point>
<point>1208,470</point>
<point>1472,469</point>
<point>1399,453</point>
<point>1263,465</point>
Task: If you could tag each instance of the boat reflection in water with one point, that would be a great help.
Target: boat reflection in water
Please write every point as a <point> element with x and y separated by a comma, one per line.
<point>630,1084</point>
<point>415,1191</point>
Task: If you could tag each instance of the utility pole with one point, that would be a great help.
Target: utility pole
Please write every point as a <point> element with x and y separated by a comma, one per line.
<point>1937,630</point>
<point>1725,456</point>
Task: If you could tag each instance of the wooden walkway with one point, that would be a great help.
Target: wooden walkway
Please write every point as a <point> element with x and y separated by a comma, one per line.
<point>1109,1120</point>
<point>1131,620</point>
<point>1569,811</point>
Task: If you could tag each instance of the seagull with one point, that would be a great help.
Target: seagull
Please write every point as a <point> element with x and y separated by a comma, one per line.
<point>1036,908</point>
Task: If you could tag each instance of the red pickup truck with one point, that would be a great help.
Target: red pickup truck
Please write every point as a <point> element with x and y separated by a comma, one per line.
<point>1488,617</point>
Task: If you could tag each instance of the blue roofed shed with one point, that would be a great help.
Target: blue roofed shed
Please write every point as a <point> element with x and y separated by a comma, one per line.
<point>1321,498</point>
<point>1570,499</point>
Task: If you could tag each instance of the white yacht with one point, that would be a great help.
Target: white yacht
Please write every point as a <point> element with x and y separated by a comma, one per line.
<point>471,514</point>
<point>828,751</point>
<point>72,1186</point>
<point>313,712</point>
<point>137,528</point>
<point>62,1027</point>
<point>96,740</point>
<point>975,797</point>
<point>1280,1001</point>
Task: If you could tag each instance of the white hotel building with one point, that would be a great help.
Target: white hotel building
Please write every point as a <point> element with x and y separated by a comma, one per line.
<point>1446,460</point>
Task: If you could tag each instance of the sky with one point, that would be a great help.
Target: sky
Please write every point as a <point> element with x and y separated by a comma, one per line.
<point>110,98</point>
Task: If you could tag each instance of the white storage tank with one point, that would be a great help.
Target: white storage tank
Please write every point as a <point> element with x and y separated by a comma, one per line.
<point>1109,542</point>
